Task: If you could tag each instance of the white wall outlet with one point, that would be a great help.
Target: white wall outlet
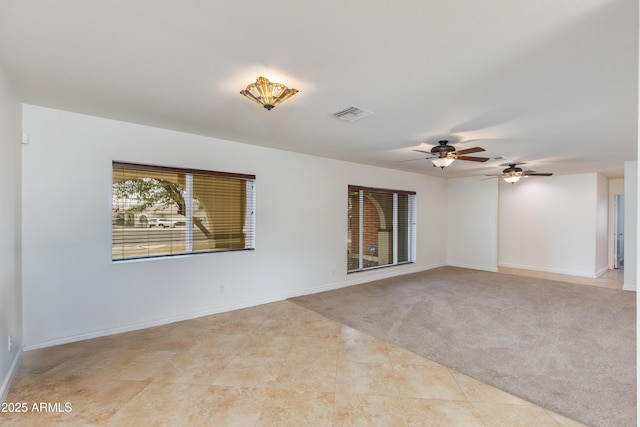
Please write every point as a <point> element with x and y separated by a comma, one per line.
<point>9,343</point>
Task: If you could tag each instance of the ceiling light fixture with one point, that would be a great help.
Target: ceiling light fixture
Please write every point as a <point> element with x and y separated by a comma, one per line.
<point>445,154</point>
<point>512,177</point>
<point>267,93</point>
<point>512,174</point>
<point>442,162</point>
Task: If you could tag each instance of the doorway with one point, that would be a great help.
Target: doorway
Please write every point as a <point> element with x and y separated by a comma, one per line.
<point>618,231</point>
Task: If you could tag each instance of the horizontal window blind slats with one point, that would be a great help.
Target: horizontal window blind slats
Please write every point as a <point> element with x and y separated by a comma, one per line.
<point>381,228</point>
<point>379,190</point>
<point>151,204</point>
<point>142,167</point>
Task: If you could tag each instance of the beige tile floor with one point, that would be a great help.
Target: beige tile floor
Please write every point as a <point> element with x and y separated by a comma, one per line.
<point>272,365</point>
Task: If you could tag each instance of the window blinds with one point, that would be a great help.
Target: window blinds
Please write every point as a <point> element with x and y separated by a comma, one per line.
<point>164,211</point>
<point>381,228</point>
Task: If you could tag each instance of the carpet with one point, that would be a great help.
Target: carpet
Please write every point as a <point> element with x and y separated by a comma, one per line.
<point>567,347</point>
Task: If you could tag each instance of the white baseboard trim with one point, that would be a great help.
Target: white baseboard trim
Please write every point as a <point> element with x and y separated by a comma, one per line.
<point>630,286</point>
<point>6,383</point>
<point>362,277</point>
<point>602,271</point>
<point>474,267</point>
<point>369,276</point>
<point>549,270</point>
<point>151,324</point>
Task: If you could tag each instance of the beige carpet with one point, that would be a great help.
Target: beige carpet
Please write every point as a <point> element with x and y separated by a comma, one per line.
<point>570,348</point>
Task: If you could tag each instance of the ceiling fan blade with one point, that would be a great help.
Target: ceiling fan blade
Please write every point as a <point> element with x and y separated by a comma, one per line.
<point>470,150</point>
<point>537,174</point>
<point>422,151</point>
<point>497,174</point>
<point>472,159</point>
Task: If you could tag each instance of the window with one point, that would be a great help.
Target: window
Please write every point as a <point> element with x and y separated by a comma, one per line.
<point>381,228</point>
<point>162,211</point>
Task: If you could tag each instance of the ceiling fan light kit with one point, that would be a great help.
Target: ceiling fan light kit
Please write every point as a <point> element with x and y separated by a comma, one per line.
<point>442,162</point>
<point>513,173</point>
<point>512,179</point>
<point>268,94</point>
<point>445,154</point>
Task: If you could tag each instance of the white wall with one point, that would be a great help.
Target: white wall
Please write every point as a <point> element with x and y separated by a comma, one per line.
<point>10,239</point>
<point>548,224</point>
<point>72,289</point>
<point>472,223</point>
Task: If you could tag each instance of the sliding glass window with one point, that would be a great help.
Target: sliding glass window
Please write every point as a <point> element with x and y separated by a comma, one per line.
<point>162,211</point>
<point>381,228</point>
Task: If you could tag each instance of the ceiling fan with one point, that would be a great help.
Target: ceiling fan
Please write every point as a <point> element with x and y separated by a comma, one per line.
<point>445,154</point>
<point>512,174</point>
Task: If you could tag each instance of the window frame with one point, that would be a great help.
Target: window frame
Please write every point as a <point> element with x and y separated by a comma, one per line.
<point>410,228</point>
<point>249,209</point>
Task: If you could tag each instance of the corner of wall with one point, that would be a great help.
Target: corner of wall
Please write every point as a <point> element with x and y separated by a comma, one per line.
<point>6,383</point>
<point>10,239</point>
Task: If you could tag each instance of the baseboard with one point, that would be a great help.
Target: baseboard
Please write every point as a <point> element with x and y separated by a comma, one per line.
<point>150,324</point>
<point>602,271</point>
<point>549,270</point>
<point>362,277</point>
<point>6,383</point>
<point>630,287</point>
<point>369,276</point>
<point>474,267</point>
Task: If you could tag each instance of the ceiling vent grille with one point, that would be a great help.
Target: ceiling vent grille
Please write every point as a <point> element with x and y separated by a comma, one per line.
<point>351,114</point>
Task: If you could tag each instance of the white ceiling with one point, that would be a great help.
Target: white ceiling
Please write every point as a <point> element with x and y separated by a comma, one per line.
<point>552,83</point>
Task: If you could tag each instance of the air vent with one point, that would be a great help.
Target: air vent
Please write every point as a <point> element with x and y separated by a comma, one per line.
<point>351,114</point>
